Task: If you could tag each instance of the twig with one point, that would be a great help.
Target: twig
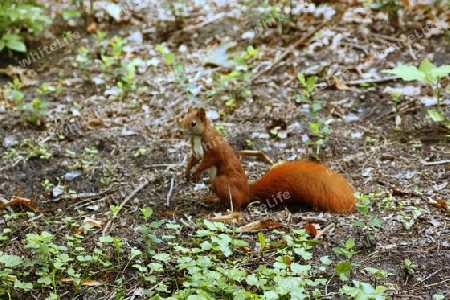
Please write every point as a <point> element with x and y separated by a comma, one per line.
<point>428,277</point>
<point>19,159</point>
<point>172,180</point>
<point>231,198</point>
<point>89,197</point>
<point>206,22</point>
<point>164,165</point>
<point>259,154</point>
<point>378,80</point>
<point>430,285</point>
<point>314,219</point>
<point>140,187</point>
<point>325,230</point>
<point>439,162</point>
<point>295,45</point>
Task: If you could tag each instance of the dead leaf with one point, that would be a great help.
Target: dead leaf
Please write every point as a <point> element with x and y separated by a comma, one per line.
<point>88,223</point>
<point>260,225</point>
<point>16,200</point>
<point>85,282</point>
<point>95,123</point>
<point>342,87</point>
<point>26,76</point>
<point>229,218</point>
<point>92,27</point>
<point>170,212</point>
<point>311,228</point>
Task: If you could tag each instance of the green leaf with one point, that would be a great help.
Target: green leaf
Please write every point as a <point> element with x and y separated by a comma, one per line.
<point>262,240</point>
<point>442,71</point>
<point>326,260</point>
<point>106,239</point>
<point>408,73</point>
<point>169,57</point>
<point>343,269</point>
<point>301,78</point>
<point>358,223</point>
<point>311,83</point>
<point>26,286</point>
<point>350,243</point>
<point>375,222</point>
<point>68,14</point>
<point>162,256</point>
<point>2,45</point>
<point>426,66</point>
<point>10,260</point>
<point>436,116</point>
<point>15,42</point>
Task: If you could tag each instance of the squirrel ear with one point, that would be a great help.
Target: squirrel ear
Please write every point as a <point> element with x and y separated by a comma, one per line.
<point>201,114</point>
<point>189,109</point>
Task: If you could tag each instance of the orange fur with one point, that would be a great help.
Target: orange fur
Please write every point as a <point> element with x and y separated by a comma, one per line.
<point>296,182</point>
<point>306,182</point>
<point>228,179</point>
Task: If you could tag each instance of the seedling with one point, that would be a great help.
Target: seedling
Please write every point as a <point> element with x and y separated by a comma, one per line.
<point>409,267</point>
<point>427,73</point>
<point>370,221</point>
<point>317,125</point>
<point>343,268</point>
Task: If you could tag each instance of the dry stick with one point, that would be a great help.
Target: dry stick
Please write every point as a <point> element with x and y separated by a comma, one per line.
<point>259,154</point>
<point>378,80</point>
<point>140,187</point>
<point>428,277</point>
<point>325,230</point>
<point>440,162</point>
<point>293,46</point>
<point>164,165</point>
<point>231,198</point>
<point>206,22</point>
<point>172,180</point>
<point>431,284</point>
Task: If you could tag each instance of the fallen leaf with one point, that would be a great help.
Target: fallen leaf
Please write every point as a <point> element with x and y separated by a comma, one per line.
<point>260,225</point>
<point>92,27</point>
<point>170,212</point>
<point>229,218</point>
<point>311,229</point>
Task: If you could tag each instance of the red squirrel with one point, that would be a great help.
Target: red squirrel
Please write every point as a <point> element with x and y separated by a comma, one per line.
<point>294,182</point>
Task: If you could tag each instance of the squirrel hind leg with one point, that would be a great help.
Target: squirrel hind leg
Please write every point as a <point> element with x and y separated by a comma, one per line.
<point>227,191</point>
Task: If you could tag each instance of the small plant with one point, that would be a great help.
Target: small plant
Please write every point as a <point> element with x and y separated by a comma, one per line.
<point>47,185</point>
<point>117,71</point>
<point>343,268</point>
<point>17,18</point>
<point>140,152</point>
<point>426,73</point>
<point>364,291</point>
<point>317,125</point>
<point>389,6</point>
<point>370,221</point>
<point>32,111</point>
<point>409,267</point>
<point>28,149</point>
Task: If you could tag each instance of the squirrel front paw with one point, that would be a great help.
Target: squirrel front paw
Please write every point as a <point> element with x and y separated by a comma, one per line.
<point>187,176</point>
<point>195,177</point>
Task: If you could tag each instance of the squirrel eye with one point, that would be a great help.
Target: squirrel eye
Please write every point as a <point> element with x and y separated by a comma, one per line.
<point>193,124</point>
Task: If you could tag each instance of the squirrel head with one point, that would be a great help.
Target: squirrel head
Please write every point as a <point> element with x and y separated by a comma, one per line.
<point>195,123</point>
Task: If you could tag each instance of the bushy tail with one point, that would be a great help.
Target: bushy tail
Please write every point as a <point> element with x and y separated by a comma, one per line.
<point>304,182</point>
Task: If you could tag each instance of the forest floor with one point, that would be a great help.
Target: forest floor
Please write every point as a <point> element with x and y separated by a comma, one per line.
<point>108,147</point>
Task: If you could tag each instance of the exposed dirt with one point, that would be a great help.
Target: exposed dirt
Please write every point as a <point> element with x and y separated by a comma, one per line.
<point>380,149</point>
